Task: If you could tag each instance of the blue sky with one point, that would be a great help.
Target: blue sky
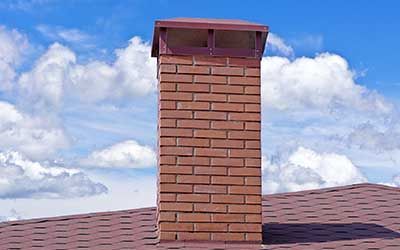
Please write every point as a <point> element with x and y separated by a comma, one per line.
<point>78,98</point>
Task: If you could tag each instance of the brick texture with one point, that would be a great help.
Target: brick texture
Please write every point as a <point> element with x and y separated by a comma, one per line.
<point>209,157</point>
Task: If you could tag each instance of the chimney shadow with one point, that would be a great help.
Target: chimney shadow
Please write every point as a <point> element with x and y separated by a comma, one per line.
<point>287,233</point>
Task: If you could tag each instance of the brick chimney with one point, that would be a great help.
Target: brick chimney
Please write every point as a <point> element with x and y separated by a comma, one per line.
<point>209,125</point>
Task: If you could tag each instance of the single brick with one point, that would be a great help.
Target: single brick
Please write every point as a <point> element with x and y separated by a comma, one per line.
<point>198,198</point>
<point>253,144</point>
<point>193,179</point>
<point>228,237</point>
<point>210,97</point>
<point>167,197</point>
<point>209,189</point>
<point>244,62</point>
<point>164,68</point>
<point>256,237</point>
<point>167,141</point>
<point>245,153</point>
<point>167,236</point>
<point>210,208</point>
<point>252,72</point>
<point>226,89</point>
<point>253,199</point>
<point>227,198</point>
<point>173,169</point>
<point>227,71</point>
<point>176,188</point>
<point>193,124</point>
<point>242,80</point>
<point>167,216</point>
<point>252,90</point>
<point>253,181</point>
<point>234,107</point>
<point>210,227</point>
<point>176,227</point>
<point>199,161</point>
<point>244,116</point>
<point>215,143</point>
<point>190,236</point>
<point>227,180</point>
<point>176,151</point>
<point>228,218</point>
<point>184,69</point>
<point>210,115</point>
<point>252,108</point>
<point>175,78</point>
<point>245,227</point>
<point>251,209</point>
<point>228,162</point>
<point>167,178</point>
<point>245,135</point>
<point>247,190</point>
<point>210,152</point>
<point>167,123</point>
<point>255,162</point>
<point>190,87</point>
<point>209,133</point>
<point>244,98</point>
<point>167,160</point>
<point>175,114</point>
<point>256,218</point>
<point>167,86</point>
<point>210,79</point>
<point>232,125</point>
<point>194,106</point>
<point>245,171</point>
<point>194,217</point>
<point>167,59</point>
<point>253,126</point>
<point>167,105</point>
<point>174,206</point>
<point>179,132</point>
<point>175,96</point>
<point>210,170</point>
<point>208,60</point>
<point>193,142</point>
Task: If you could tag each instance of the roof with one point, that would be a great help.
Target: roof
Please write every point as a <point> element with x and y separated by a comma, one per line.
<point>361,216</point>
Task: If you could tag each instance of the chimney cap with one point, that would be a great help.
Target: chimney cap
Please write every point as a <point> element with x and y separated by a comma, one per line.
<point>210,25</point>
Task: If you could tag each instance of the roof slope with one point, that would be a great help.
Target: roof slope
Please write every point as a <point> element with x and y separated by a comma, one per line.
<point>362,216</point>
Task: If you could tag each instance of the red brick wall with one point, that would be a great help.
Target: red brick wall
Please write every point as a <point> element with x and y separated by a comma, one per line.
<point>209,149</point>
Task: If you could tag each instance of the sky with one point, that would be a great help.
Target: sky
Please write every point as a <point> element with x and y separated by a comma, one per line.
<point>78,98</point>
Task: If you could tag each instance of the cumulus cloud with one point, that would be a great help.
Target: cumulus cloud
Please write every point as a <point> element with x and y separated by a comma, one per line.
<point>63,34</point>
<point>57,74</point>
<point>126,154</point>
<point>277,44</point>
<point>23,178</point>
<point>367,136</point>
<point>306,169</point>
<point>34,136</point>
<point>324,83</point>
<point>12,47</point>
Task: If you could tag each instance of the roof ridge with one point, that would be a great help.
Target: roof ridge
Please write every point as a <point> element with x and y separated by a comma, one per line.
<point>333,189</point>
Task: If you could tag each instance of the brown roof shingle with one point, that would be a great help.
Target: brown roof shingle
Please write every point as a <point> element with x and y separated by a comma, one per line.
<point>361,216</point>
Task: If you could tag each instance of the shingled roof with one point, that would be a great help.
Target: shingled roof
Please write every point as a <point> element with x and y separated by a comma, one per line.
<point>361,216</point>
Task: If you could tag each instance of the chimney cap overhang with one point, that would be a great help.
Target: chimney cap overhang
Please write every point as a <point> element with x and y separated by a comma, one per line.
<point>161,28</point>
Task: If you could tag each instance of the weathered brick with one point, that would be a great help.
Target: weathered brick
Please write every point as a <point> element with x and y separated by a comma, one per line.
<point>194,106</point>
<point>227,71</point>
<point>174,59</point>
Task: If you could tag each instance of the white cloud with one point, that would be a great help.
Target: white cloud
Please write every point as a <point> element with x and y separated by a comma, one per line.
<point>324,83</point>
<point>10,216</point>
<point>59,33</point>
<point>37,137</point>
<point>57,74</point>
<point>126,154</point>
<point>306,169</point>
<point>277,44</point>
<point>23,178</point>
<point>12,47</point>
